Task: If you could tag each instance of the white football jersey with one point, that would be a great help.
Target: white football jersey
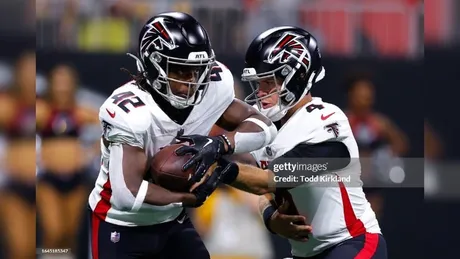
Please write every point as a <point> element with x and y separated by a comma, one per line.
<point>339,210</point>
<point>135,119</point>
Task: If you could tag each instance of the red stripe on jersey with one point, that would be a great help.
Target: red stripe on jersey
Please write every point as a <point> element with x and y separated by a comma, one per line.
<point>100,212</point>
<point>95,236</point>
<point>371,242</point>
<point>355,226</point>
<point>103,206</point>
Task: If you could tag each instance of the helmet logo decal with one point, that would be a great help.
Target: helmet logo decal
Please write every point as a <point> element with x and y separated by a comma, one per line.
<point>157,35</point>
<point>289,46</point>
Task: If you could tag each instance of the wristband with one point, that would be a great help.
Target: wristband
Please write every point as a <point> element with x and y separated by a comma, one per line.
<point>232,171</point>
<point>267,216</point>
<point>229,144</point>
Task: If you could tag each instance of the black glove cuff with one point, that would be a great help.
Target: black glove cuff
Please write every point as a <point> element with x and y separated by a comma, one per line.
<point>232,171</point>
<point>267,216</point>
<point>200,198</point>
<point>231,149</point>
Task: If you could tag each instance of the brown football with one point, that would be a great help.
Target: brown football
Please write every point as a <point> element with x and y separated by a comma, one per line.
<point>166,169</point>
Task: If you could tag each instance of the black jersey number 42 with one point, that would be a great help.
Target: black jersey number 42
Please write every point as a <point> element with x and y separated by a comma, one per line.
<point>125,98</point>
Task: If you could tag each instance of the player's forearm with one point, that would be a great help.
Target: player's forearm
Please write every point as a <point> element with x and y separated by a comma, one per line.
<point>159,196</point>
<point>248,129</point>
<point>244,158</point>
<point>253,133</point>
<point>141,191</point>
<point>254,180</point>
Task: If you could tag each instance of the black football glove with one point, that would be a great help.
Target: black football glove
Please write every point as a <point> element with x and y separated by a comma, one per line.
<point>206,151</point>
<point>204,190</point>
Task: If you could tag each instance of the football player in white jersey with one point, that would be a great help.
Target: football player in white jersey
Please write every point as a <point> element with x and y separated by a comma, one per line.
<point>282,64</point>
<point>180,89</point>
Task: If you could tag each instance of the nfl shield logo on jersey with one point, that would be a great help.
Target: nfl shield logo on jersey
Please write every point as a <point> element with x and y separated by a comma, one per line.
<point>268,151</point>
<point>115,237</point>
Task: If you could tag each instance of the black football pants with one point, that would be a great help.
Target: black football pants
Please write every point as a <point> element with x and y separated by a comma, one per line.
<point>172,240</point>
<point>366,246</point>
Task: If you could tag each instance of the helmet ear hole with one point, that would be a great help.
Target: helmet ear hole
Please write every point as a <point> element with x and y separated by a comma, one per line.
<point>289,97</point>
<point>153,74</point>
<point>156,85</point>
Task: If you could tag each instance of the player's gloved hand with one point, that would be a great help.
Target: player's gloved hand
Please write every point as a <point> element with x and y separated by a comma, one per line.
<point>204,190</point>
<point>283,225</point>
<point>206,151</point>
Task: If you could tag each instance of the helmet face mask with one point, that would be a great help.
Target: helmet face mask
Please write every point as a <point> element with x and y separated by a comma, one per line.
<point>174,71</point>
<point>291,57</point>
<point>176,57</point>
<point>263,98</point>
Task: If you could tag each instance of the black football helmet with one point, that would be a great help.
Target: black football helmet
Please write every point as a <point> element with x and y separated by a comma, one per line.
<point>290,56</point>
<point>175,42</point>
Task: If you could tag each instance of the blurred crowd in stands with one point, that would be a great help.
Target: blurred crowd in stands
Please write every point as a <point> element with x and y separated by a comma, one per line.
<point>390,27</point>
<point>344,27</point>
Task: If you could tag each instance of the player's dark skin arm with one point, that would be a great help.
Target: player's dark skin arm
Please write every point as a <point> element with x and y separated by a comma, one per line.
<point>233,117</point>
<point>134,168</point>
<point>243,158</point>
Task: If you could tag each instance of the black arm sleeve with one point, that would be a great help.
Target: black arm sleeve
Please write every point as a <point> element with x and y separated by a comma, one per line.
<point>334,154</point>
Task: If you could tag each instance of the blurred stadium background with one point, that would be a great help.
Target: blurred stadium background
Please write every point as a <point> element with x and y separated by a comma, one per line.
<point>369,47</point>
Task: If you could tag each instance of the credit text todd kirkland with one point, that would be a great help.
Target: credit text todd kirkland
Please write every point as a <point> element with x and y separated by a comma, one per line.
<point>306,173</point>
